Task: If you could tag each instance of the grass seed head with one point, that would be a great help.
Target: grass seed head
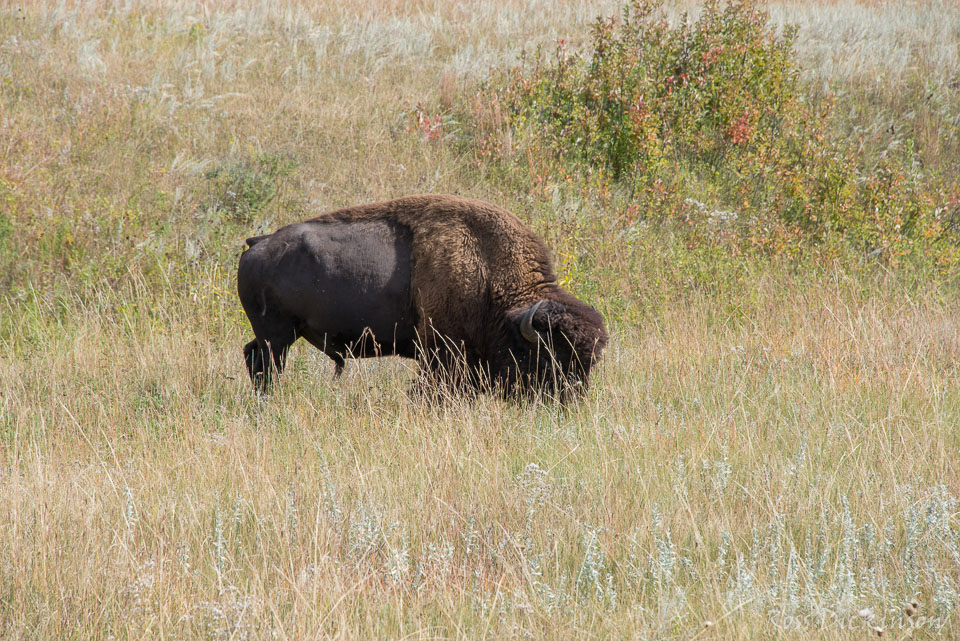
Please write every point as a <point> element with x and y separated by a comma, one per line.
<point>912,607</point>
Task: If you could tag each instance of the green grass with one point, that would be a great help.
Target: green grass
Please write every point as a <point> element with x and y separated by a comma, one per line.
<point>768,449</point>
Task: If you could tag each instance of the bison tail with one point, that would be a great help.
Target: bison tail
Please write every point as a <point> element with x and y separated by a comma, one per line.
<point>255,239</point>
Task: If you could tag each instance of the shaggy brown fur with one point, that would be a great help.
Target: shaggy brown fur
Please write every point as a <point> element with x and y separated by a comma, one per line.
<point>474,271</point>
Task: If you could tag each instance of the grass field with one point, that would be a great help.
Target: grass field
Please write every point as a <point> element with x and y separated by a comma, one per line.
<point>768,450</point>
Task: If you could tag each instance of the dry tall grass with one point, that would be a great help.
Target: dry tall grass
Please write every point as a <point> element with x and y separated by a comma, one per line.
<point>772,455</point>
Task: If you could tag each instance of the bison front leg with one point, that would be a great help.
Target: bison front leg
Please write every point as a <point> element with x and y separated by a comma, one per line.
<point>447,371</point>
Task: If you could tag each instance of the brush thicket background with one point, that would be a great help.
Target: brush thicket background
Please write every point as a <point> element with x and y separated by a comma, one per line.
<point>769,449</point>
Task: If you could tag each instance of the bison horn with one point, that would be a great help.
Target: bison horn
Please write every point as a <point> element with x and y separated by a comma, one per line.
<point>526,323</point>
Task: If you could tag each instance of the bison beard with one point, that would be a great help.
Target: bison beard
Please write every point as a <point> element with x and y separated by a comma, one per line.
<point>460,285</point>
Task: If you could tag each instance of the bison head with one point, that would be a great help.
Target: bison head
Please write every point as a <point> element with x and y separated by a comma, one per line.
<point>552,345</point>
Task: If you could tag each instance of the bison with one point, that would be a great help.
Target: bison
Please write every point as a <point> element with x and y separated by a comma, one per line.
<point>460,285</point>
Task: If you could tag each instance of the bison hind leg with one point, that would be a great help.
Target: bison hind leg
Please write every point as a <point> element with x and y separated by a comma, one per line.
<point>253,356</point>
<point>257,357</point>
<point>265,359</point>
<point>275,331</point>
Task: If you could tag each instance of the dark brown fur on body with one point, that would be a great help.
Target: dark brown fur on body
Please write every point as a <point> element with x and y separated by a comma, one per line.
<point>442,279</point>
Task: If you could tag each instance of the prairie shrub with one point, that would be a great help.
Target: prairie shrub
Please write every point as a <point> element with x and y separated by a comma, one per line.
<point>713,107</point>
<point>648,93</point>
<point>240,189</point>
